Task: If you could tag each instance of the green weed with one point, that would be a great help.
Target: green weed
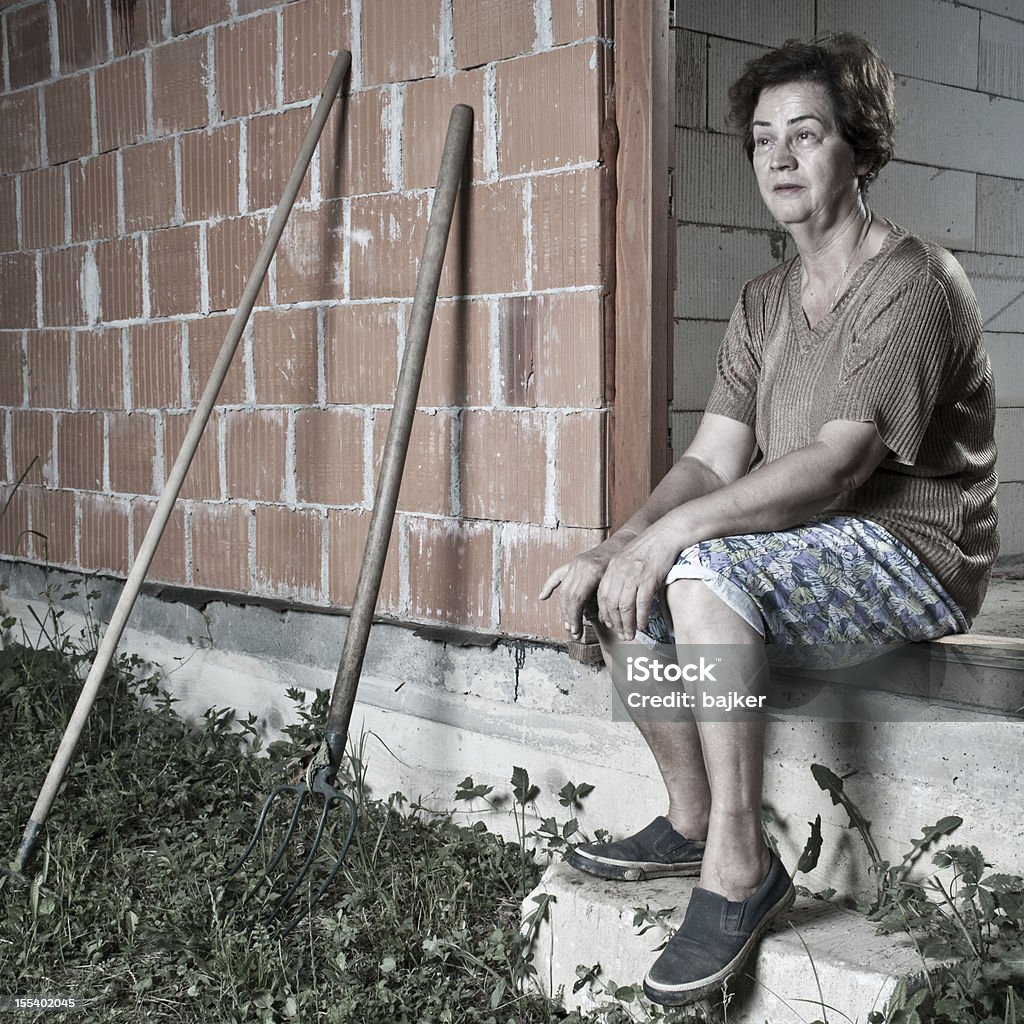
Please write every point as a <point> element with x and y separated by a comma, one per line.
<point>422,925</point>
<point>969,930</point>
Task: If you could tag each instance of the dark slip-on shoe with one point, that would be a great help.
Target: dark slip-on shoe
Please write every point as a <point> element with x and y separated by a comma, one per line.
<point>654,852</point>
<point>715,939</point>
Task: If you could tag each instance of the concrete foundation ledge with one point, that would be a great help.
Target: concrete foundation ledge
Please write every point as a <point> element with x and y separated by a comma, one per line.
<point>433,711</point>
<point>819,962</point>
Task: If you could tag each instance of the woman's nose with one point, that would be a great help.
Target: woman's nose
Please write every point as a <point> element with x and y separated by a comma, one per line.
<point>782,156</point>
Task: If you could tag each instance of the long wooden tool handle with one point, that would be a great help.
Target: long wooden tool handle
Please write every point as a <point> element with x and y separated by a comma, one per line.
<point>397,445</point>
<point>123,609</point>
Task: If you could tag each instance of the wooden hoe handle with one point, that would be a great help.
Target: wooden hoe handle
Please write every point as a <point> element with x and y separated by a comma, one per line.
<point>165,505</point>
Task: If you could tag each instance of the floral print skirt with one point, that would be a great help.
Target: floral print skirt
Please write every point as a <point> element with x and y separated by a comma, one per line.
<point>835,581</point>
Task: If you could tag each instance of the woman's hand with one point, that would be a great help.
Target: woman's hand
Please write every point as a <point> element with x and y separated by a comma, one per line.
<point>577,581</point>
<point>633,577</point>
<point>719,454</point>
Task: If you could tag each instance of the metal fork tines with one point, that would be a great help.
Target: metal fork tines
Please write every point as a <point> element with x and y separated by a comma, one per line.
<point>301,792</point>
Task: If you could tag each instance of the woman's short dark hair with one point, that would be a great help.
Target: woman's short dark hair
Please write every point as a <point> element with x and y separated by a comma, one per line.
<point>858,81</point>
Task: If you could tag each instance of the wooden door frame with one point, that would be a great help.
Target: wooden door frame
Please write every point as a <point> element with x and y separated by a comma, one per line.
<point>640,370</point>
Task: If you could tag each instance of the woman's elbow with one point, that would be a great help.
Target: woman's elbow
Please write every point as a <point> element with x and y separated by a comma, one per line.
<point>851,456</point>
<point>847,472</point>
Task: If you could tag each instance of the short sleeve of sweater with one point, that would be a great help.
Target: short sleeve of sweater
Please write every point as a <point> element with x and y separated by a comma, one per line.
<point>734,393</point>
<point>894,365</point>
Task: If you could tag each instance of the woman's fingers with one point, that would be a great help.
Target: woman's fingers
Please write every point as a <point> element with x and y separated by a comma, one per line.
<point>627,619</point>
<point>625,586</point>
<point>630,598</point>
<point>617,596</point>
<point>574,591</point>
<point>626,593</point>
<point>604,598</point>
<point>644,596</point>
<point>571,603</point>
<point>553,581</point>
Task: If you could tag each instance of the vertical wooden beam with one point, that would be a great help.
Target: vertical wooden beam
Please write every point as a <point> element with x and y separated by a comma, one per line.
<point>639,452</point>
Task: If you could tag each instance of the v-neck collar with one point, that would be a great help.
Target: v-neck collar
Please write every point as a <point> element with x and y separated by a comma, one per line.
<point>805,332</point>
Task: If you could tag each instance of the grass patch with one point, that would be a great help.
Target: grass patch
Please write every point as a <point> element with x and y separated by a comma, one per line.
<point>422,925</point>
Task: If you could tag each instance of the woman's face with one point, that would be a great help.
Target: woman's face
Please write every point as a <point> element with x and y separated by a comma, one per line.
<point>804,167</point>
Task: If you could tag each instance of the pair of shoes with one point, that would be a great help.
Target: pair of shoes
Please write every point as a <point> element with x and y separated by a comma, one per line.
<point>716,937</point>
<point>654,852</point>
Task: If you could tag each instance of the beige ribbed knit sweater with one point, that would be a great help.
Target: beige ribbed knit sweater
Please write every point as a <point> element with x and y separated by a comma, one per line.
<point>903,347</point>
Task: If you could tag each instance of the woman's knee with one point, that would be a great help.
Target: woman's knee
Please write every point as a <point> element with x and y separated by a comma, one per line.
<point>688,601</point>
<point>699,615</point>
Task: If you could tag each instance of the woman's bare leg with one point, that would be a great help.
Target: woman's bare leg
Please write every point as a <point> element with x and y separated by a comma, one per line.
<point>676,747</point>
<point>735,858</point>
<point>712,770</point>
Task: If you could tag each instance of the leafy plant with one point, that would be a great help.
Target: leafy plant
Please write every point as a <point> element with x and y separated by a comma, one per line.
<point>549,837</point>
<point>423,923</point>
<point>627,1004</point>
<point>969,930</point>
<point>891,880</point>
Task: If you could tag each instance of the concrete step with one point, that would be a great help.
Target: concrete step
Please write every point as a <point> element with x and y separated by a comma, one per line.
<point>818,960</point>
<point>963,674</point>
<point>934,707</point>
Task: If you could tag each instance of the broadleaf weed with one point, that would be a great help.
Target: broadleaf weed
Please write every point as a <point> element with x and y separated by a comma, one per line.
<point>969,930</point>
<point>423,924</point>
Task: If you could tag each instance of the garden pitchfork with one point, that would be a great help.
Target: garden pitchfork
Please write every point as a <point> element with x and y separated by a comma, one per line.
<point>320,786</point>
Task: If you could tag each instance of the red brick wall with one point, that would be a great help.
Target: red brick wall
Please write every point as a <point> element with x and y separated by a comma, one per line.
<point>143,146</point>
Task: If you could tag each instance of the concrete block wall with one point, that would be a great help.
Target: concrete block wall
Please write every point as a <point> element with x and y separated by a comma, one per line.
<point>958,177</point>
<point>143,147</point>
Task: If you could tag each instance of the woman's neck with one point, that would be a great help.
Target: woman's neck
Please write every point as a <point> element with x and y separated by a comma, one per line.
<point>829,258</point>
<point>826,250</point>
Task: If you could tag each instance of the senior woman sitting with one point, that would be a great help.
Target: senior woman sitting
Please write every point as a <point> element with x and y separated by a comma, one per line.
<point>840,488</point>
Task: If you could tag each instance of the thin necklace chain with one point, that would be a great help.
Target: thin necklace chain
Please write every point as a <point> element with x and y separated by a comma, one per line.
<point>864,232</point>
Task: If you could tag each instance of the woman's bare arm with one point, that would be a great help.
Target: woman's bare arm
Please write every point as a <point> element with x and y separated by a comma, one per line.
<point>780,494</point>
<point>719,454</point>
